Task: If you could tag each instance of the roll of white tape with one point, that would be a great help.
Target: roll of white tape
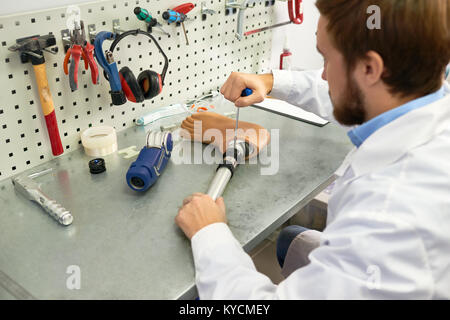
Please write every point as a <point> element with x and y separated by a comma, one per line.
<point>99,141</point>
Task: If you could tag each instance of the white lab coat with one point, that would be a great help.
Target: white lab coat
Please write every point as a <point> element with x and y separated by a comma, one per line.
<point>388,228</point>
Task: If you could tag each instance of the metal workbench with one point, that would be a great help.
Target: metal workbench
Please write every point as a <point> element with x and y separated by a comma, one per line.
<point>126,244</point>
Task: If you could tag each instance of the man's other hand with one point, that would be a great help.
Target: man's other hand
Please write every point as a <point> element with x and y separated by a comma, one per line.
<point>198,211</point>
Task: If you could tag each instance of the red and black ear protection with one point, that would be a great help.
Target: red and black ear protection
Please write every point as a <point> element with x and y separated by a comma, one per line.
<point>149,83</point>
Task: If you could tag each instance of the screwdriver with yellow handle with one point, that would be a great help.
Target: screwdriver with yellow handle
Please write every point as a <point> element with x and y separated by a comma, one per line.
<point>31,49</point>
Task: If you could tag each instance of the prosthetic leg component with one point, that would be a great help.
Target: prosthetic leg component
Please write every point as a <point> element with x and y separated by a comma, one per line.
<point>235,154</point>
<point>151,162</point>
<point>254,135</point>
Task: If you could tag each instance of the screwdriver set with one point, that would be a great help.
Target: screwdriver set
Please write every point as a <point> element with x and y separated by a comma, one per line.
<point>201,55</point>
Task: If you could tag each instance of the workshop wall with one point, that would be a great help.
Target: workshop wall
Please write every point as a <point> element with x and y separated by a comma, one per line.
<point>302,37</point>
<point>194,70</point>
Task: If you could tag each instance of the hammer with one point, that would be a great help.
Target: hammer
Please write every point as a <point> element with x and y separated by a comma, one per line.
<point>31,49</point>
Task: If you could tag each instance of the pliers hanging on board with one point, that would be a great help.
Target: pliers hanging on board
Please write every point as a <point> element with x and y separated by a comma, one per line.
<point>80,47</point>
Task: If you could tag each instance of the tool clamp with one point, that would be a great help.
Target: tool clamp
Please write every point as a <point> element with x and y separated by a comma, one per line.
<point>80,47</point>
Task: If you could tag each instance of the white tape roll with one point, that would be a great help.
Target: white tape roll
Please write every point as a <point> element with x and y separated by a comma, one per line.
<point>99,141</point>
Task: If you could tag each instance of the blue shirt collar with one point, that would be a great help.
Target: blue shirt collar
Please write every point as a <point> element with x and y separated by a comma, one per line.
<point>361,133</point>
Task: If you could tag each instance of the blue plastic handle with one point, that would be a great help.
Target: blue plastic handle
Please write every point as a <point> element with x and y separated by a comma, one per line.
<point>172,16</point>
<point>247,92</point>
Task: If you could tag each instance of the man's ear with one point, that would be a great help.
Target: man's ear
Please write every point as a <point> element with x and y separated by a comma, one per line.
<point>372,68</point>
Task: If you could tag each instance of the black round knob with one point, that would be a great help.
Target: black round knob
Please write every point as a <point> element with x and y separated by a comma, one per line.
<point>97,166</point>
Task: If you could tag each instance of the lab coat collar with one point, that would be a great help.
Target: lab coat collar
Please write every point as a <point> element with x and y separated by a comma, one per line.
<point>359,134</point>
<point>391,142</point>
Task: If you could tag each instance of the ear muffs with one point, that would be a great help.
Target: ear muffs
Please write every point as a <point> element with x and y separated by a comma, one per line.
<point>150,83</point>
<point>130,85</point>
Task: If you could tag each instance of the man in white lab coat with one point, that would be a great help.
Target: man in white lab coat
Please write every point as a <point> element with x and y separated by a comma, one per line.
<point>388,227</point>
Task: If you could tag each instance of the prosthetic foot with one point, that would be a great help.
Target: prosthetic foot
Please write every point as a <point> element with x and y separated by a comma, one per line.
<point>254,136</point>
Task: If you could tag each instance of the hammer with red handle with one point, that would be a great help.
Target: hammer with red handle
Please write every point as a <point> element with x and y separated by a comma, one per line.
<point>31,48</point>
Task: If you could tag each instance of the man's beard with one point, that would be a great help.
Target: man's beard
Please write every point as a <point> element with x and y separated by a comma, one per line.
<point>350,111</point>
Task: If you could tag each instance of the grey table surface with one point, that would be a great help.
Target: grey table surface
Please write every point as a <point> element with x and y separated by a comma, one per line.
<point>125,243</point>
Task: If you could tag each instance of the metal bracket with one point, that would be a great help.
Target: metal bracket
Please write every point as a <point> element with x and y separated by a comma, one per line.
<point>242,7</point>
<point>236,5</point>
<point>205,11</point>
<point>116,26</point>
<point>91,33</point>
<point>65,34</point>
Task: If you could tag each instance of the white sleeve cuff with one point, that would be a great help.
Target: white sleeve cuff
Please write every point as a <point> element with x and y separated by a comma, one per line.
<point>282,84</point>
<point>211,236</point>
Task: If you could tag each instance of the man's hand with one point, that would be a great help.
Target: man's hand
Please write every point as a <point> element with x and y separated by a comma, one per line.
<point>237,82</point>
<point>199,211</point>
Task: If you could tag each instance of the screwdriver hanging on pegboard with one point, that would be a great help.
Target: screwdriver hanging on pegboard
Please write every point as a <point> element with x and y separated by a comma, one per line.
<point>143,15</point>
<point>179,15</point>
<point>172,16</point>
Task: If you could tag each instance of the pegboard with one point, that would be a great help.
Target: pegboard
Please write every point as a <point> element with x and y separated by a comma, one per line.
<point>213,53</point>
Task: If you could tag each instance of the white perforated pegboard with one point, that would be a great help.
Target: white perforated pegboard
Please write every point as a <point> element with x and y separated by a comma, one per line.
<point>212,55</point>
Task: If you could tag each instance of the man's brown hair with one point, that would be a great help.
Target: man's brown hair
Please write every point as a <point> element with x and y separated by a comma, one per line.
<point>414,39</point>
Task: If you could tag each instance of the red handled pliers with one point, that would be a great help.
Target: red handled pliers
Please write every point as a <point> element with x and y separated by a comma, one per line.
<point>80,47</point>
